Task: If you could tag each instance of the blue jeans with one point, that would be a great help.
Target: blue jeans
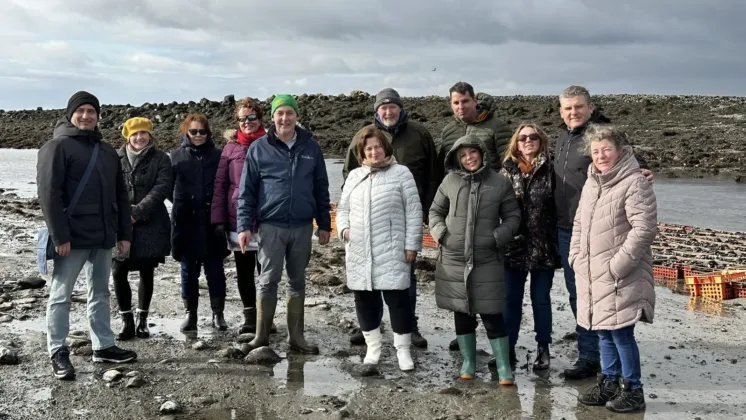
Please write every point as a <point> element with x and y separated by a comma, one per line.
<point>97,264</point>
<point>620,356</point>
<point>412,299</point>
<point>541,302</point>
<point>214,272</point>
<point>587,340</point>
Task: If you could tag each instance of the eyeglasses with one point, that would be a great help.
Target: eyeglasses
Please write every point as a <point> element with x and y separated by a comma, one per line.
<point>201,131</point>
<point>532,137</point>
<point>248,118</point>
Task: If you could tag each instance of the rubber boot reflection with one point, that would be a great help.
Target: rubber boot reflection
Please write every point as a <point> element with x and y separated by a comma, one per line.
<point>295,376</point>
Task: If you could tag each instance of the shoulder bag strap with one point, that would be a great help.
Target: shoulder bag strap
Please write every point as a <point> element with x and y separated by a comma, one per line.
<point>84,180</point>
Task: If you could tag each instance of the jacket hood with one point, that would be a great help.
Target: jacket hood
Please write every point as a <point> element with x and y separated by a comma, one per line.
<point>625,166</point>
<point>452,163</point>
<point>186,143</point>
<point>230,135</point>
<point>65,128</point>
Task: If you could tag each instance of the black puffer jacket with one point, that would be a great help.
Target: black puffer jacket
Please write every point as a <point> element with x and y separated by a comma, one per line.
<point>535,246</point>
<point>149,183</point>
<point>194,169</point>
<point>102,214</point>
<point>571,169</point>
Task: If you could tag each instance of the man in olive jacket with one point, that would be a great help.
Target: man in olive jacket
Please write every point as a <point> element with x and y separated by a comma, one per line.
<point>99,221</point>
<point>571,171</point>
<point>414,148</point>
<point>475,116</point>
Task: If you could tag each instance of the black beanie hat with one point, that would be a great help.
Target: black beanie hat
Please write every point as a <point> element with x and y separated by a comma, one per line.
<point>79,99</point>
<point>387,96</point>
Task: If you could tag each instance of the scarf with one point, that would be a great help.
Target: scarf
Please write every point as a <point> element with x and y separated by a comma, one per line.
<point>247,139</point>
<point>525,166</point>
<point>134,156</point>
<point>378,166</point>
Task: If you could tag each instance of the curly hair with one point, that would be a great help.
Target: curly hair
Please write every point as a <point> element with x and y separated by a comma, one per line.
<point>200,118</point>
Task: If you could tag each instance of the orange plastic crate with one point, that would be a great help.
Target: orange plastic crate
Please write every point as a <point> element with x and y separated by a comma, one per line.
<point>712,291</point>
<point>664,272</point>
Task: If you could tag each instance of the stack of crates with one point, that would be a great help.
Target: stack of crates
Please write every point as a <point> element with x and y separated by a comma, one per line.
<point>717,285</point>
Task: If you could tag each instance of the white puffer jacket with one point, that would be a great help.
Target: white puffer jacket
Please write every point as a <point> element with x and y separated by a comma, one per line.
<point>382,210</point>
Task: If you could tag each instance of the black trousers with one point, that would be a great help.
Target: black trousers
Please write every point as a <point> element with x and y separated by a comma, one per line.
<point>493,323</point>
<point>245,264</point>
<point>120,271</point>
<point>368,304</point>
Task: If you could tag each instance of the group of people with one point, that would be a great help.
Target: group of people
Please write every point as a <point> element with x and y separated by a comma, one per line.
<point>501,208</point>
<point>497,202</point>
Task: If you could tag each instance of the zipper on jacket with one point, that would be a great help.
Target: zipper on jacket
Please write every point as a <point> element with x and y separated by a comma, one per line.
<point>292,173</point>
<point>588,250</point>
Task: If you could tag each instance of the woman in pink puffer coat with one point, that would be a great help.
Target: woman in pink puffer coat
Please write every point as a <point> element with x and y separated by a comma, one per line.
<point>611,255</point>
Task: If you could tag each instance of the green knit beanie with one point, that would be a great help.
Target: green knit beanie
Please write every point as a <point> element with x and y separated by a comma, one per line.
<point>284,100</point>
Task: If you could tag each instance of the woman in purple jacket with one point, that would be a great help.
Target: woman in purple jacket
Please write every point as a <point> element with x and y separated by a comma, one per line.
<point>225,201</point>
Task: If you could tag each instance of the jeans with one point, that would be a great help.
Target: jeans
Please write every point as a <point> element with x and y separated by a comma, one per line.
<point>367,304</point>
<point>412,299</point>
<point>493,323</point>
<point>214,271</point>
<point>541,302</point>
<point>587,340</point>
<point>279,248</point>
<point>620,356</point>
<point>97,263</point>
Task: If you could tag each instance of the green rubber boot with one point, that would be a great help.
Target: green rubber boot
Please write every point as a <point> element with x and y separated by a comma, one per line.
<point>501,351</point>
<point>467,345</point>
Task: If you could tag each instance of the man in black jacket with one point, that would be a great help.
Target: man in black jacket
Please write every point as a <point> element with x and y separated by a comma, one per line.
<point>571,171</point>
<point>86,235</point>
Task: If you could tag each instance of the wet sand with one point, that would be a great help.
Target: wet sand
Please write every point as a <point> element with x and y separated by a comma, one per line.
<point>692,357</point>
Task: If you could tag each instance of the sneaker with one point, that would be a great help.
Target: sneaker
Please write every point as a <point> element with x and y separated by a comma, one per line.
<point>627,399</point>
<point>61,365</point>
<point>114,354</point>
<point>418,340</point>
<point>582,369</point>
<point>604,391</point>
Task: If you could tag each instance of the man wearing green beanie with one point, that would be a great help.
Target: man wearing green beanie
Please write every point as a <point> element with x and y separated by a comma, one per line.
<point>283,217</point>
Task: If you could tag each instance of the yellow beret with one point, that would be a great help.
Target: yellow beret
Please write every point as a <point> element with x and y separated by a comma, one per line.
<point>136,124</point>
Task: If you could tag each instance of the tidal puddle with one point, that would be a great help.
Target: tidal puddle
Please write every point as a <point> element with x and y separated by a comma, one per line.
<point>698,304</point>
<point>324,376</point>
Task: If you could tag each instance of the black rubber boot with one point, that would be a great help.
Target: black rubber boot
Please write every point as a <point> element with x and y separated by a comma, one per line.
<point>128,327</point>
<point>218,320</point>
<point>190,320</point>
<point>249,321</point>
<point>142,330</point>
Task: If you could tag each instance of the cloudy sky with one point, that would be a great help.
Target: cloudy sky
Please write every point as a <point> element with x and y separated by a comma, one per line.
<point>139,51</point>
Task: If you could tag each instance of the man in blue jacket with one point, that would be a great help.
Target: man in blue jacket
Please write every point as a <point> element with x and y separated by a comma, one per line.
<point>284,187</point>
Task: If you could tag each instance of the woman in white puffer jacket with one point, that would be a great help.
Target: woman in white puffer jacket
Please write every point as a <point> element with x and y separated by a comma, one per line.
<point>379,218</point>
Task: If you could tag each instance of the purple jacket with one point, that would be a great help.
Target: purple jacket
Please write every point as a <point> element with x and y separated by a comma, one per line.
<point>227,179</point>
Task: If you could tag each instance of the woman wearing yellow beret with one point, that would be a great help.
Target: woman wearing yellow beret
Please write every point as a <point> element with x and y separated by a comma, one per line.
<point>149,179</point>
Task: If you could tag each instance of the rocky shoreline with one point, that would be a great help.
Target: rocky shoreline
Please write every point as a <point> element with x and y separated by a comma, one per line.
<point>692,348</point>
<point>691,136</point>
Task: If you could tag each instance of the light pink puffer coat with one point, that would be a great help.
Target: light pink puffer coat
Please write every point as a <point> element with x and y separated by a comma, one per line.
<point>610,251</point>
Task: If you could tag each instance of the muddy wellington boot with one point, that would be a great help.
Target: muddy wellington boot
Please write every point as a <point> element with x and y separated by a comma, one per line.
<point>128,326</point>
<point>190,319</point>
<point>467,345</point>
<point>265,313</point>
<point>218,320</point>
<point>501,351</point>
<point>142,330</point>
<point>295,309</point>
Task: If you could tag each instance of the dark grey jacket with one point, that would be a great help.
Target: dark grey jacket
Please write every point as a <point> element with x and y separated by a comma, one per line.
<point>571,170</point>
<point>149,183</point>
<point>473,217</point>
<point>102,214</point>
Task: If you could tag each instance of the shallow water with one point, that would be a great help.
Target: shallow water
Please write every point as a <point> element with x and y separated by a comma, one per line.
<point>711,203</point>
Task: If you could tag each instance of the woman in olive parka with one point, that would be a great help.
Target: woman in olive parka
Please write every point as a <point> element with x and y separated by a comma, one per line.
<point>473,216</point>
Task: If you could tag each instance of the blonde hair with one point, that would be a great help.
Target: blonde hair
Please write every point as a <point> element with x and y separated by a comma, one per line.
<point>512,153</point>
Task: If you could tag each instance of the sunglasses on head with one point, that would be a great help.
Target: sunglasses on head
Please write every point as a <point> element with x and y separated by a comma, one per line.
<point>248,118</point>
<point>532,136</point>
<point>201,131</point>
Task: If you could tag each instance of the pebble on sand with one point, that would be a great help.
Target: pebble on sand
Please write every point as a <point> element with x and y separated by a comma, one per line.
<point>169,407</point>
<point>112,375</point>
<point>262,356</point>
<point>8,356</point>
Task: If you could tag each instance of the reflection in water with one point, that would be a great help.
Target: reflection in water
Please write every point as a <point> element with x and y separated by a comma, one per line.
<point>698,304</point>
<point>315,376</point>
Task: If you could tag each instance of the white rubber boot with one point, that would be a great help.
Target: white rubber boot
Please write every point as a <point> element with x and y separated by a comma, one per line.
<point>373,340</point>
<point>403,342</point>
